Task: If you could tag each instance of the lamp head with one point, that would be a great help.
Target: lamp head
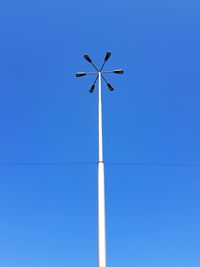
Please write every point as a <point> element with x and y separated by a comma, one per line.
<point>118,71</point>
<point>108,54</point>
<point>80,74</point>
<point>88,58</point>
<point>110,87</point>
<point>92,88</point>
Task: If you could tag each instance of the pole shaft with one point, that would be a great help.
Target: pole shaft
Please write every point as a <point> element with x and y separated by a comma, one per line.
<point>101,189</point>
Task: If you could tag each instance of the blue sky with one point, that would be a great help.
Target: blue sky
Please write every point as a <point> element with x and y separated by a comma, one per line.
<point>48,214</point>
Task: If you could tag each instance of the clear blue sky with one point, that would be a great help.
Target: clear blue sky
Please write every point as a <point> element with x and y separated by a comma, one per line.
<point>48,214</point>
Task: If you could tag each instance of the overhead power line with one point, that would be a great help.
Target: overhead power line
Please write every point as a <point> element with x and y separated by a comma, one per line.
<point>65,163</point>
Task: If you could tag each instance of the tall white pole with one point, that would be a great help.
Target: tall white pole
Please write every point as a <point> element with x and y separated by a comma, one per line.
<point>101,190</point>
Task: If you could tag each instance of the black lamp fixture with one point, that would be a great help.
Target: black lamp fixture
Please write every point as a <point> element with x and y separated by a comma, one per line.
<point>80,74</point>
<point>108,54</point>
<point>88,58</point>
<point>118,71</point>
<point>110,87</point>
<point>98,72</point>
<point>92,88</point>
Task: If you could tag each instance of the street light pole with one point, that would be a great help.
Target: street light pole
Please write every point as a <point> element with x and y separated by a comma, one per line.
<point>101,183</point>
<point>101,189</point>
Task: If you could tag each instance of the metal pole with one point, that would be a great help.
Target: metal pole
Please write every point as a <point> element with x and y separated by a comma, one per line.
<point>101,189</point>
<point>101,182</point>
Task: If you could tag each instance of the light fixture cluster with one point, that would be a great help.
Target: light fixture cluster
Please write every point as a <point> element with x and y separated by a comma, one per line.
<point>99,71</point>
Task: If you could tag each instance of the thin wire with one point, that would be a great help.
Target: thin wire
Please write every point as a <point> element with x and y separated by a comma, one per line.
<point>63,163</point>
<point>154,164</point>
<point>45,163</point>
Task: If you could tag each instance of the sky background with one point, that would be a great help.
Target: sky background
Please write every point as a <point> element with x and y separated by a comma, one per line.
<point>48,214</point>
